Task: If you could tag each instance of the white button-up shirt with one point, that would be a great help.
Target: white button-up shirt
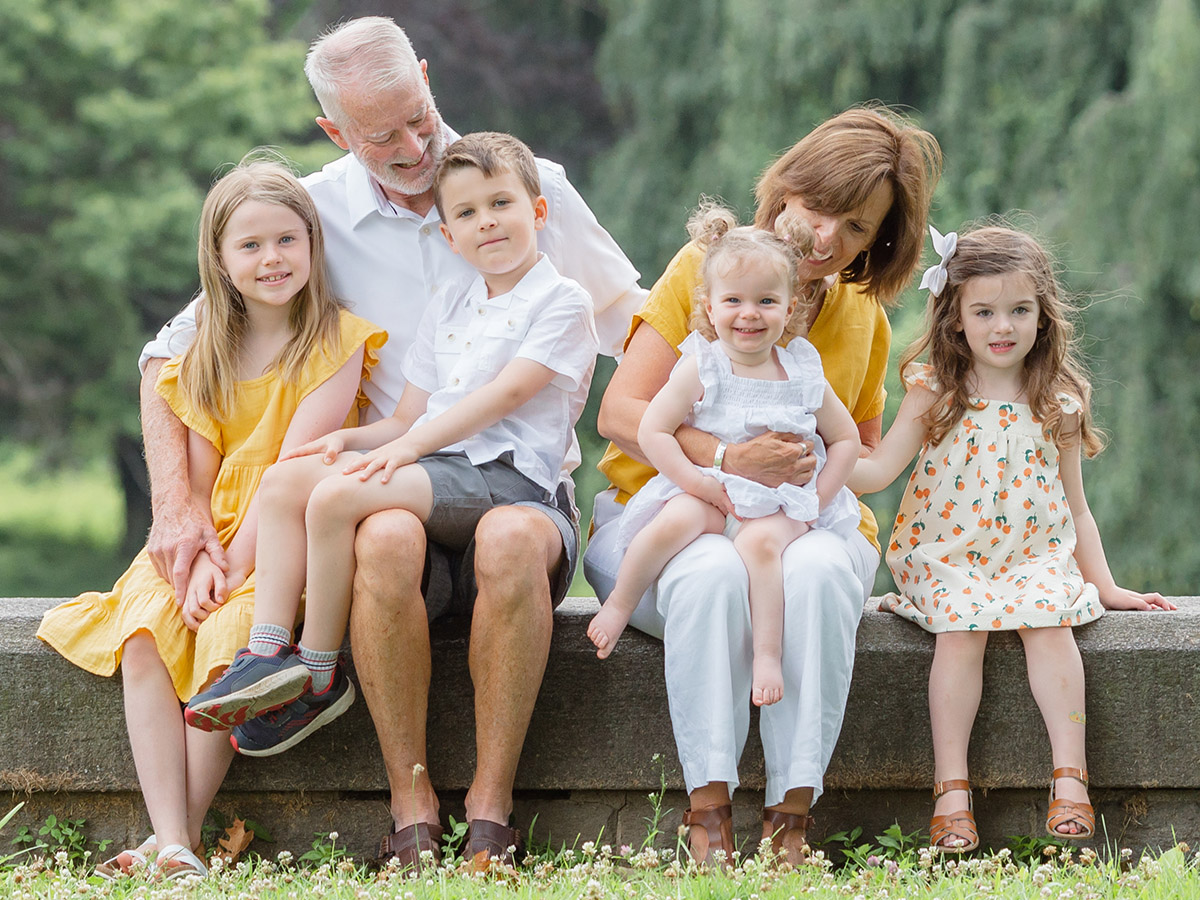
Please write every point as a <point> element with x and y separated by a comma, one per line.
<point>465,338</point>
<point>386,263</point>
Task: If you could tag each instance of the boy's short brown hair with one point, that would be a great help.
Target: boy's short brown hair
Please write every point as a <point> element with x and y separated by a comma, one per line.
<point>492,153</point>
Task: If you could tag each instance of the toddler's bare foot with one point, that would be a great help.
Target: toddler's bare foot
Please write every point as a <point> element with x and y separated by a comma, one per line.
<point>768,681</point>
<point>605,629</point>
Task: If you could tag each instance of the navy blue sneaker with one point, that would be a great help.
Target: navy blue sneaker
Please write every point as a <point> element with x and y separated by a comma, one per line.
<point>251,686</point>
<point>285,728</point>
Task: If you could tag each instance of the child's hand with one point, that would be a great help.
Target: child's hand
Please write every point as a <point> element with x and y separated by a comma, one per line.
<point>710,490</point>
<point>386,460</point>
<point>1123,598</point>
<point>207,589</point>
<point>327,447</point>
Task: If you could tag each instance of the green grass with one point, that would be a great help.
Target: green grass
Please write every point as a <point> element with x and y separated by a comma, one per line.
<point>60,529</point>
<point>594,873</point>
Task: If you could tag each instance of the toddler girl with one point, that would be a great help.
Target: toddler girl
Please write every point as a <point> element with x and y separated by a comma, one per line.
<point>735,387</point>
<point>275,363</point>
<point>994,531</point>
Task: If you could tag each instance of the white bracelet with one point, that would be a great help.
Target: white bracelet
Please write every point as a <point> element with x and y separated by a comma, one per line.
<point>719,456</point>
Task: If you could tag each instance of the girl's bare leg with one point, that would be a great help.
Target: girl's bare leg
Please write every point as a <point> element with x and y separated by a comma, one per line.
<point>1056,679</point>
<point>156,734</point>
<point>760,543</point>
<point>681,520</point>
<point>279,567</point>
<point>335,509</point>
<point>955,686</point>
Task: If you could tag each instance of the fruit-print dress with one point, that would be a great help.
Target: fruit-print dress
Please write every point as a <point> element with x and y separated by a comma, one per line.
<point>984,540</point>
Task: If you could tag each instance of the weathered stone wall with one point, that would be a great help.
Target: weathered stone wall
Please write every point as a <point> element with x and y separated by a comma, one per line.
<point>589,761</point>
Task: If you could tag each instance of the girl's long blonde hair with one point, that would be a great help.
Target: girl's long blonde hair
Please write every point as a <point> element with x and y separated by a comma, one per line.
<point>714,228</point>
<point>209,373</point>
<point>1052,366</point>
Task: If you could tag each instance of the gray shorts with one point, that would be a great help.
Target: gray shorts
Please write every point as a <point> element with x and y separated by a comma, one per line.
<point>462,494</point>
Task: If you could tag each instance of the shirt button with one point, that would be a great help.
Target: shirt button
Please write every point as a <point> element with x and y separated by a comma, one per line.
<point>425,229</point>
<point>467,345</point>
<point>453,382</point>
<point>511,324</point>
<point>450,337</point>
<point>482,311</point>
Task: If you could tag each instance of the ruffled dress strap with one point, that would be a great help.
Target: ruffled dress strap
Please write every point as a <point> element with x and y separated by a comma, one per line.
<point>170,389</point>
<point>354,332</point>
<point>921,375</point>
<point>1070,405</point>
<point>802,363</point>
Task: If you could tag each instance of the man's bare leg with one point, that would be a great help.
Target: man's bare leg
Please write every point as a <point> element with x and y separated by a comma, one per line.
<point>390,636</point>
<point>515,549</point>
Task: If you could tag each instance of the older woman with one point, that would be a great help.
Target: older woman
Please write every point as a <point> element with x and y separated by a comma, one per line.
<point>863,181</point>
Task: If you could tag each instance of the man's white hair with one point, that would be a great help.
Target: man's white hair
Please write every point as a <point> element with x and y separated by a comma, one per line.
<point>370,54</point>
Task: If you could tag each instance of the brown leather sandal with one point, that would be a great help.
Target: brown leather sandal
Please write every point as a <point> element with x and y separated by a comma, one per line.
<point>959,826</point>
<point>710,830</point>
<point>407,845</point>
<point>778,825</point>
<point>1064,812</point>
<point>488,843</point>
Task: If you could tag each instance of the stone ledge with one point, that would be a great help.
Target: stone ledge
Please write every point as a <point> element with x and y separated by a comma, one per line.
<point>598,725</point>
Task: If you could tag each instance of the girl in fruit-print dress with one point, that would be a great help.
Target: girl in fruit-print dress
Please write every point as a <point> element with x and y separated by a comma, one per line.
<point>994,532</point>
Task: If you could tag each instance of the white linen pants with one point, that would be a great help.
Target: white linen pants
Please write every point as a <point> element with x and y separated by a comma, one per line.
<point>700,608</point>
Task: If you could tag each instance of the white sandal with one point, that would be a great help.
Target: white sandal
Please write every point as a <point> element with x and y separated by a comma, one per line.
<point>127,861</point>
<point>177,861</point>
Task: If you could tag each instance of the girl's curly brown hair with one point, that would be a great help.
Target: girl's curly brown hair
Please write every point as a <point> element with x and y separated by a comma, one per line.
<point>1052,366</point>
<point>714,228</point>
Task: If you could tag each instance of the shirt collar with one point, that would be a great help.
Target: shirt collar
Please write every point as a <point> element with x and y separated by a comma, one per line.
<point>364,195</point>
<point>532,284</point>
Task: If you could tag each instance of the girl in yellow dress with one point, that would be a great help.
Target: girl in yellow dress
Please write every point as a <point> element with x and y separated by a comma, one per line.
<point>275,362</point>
<point>994,531</point>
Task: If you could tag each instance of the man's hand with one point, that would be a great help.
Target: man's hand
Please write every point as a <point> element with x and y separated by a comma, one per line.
<point>773,458</point>
<point>179,533</point>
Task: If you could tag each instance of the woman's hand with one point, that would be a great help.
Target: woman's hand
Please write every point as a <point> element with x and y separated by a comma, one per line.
<point>773,458</point>
<point>207,589</point>
<point>1123,598</point>
<point>386,460</point>
<point>328,447</point>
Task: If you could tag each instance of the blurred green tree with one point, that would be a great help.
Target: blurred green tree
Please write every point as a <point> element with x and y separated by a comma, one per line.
<point>1074,110</point>
<point>115,117</point>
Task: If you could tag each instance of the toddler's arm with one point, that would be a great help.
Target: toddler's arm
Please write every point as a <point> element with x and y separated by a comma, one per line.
<point>1089,551</point>
<point>516,384</point>
<point>837,429</point>
<point>656,435</point>
<point>898,447</point>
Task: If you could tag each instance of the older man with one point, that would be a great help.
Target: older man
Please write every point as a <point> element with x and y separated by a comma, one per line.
<point>386,258</point>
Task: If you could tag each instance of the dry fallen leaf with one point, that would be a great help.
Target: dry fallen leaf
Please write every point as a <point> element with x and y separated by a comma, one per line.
<point>237,838</point>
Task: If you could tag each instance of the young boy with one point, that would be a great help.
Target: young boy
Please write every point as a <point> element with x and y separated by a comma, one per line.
<point>495,379</point>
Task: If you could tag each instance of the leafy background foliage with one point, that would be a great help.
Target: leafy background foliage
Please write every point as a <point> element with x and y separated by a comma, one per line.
<point>115,117</point>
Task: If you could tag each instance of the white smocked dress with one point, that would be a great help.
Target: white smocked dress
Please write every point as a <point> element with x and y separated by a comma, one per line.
<point>736,409</point>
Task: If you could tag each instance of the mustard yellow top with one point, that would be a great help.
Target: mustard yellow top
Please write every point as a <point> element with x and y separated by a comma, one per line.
<point>92,629</point>
<point>851,333</point>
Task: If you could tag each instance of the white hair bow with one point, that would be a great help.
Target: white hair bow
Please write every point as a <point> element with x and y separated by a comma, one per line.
<point>934,278</point>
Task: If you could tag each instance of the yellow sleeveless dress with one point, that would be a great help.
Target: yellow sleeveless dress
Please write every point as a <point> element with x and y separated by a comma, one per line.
<point>92,629</point>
